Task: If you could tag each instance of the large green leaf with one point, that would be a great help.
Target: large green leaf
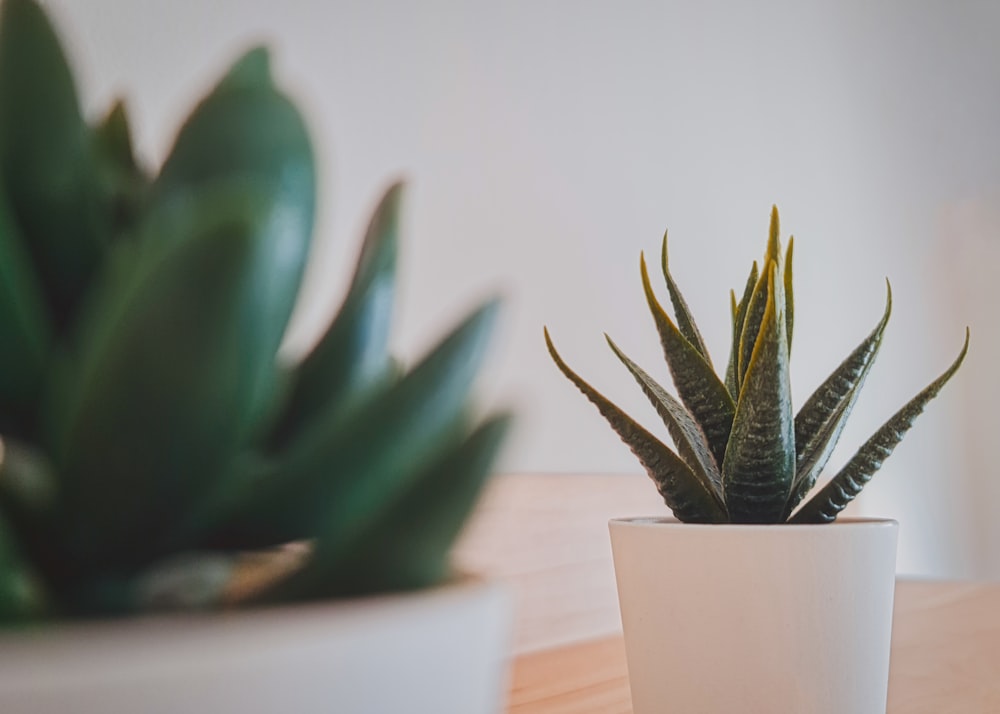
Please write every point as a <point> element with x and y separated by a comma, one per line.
<point>689,498</point>
<point>45,157</point>
<point>405,542</point>
<point>822,418</point>
<point>739,318</point>
<point>148,408</point>
<point>245,130</point>
<point>847,484</point>
<point>752,320</point>
<point>685,320</point>
<point>684,430</point>
<point>349,462</point>
<point>759,464</point>
<point>25,329</point>
<point>353,353</point>
<point>697,385</point>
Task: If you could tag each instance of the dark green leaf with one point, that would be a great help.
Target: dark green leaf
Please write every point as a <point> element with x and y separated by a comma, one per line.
<point>690,499</point>
<point>739,318</point>
<point>685,321</point>
<point>122,181</point>
<point>353,353</point>
<point>405,542</point>
<point>752,320</point>
<point>822,418</point>
<point>697,385</point>
<point>349,462</point>
<point>847,484</point>
<point>789,295</point>
<point>760,462</point>
<point>147,411</point>
<point>687,435</point>
<point>247,131</point>
<point>25,329</point>
<point>45,157</point>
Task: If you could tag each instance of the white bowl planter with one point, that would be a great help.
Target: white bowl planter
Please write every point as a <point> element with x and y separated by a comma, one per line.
<point>756,619</point>
<point>442,650</point>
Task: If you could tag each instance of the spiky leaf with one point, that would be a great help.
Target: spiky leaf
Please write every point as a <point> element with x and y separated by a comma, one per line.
<point>685,432</point>
<point>684,493</point>
<point>122,181</point>
<point>789,294</point>
<point>739,318</point>
<point>822,418</point>
<point>685,320</point>
<point>847,484</point>
<point>759,464</point>
<point>697,385</point>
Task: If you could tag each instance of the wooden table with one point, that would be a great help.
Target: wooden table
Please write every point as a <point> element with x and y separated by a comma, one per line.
<point>945,660</point>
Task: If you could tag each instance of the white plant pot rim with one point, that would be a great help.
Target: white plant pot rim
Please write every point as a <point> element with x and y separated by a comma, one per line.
<point>669,523</point>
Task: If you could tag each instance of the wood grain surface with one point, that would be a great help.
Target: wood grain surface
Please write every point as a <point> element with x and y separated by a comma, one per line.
<point>945,660</point>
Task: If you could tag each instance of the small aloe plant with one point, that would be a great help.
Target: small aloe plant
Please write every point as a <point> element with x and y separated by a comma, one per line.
<point>742,456</point>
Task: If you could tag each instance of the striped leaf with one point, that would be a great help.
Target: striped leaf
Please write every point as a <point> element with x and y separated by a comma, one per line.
<point>822,418</point>
<point>739,318</point>
<point>789,295</point>
<point>687,435</point>
<point>685,494</point>
<point>699,388</point>
<point>760,462</point>
<point>847,484</point>
<point>685,321</point>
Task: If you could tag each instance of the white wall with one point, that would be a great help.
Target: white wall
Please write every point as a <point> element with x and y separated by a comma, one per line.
<point>549,142</point>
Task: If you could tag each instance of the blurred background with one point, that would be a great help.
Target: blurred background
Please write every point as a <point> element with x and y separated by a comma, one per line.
<point>549,142</point>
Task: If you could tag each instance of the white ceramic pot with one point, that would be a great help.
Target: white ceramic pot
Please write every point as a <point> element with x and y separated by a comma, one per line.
<point>726,619</point>
<point>443,650</point>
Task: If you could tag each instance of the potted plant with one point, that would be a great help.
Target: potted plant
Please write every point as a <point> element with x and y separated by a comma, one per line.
<point>158,456</point>
<point>753,599</point>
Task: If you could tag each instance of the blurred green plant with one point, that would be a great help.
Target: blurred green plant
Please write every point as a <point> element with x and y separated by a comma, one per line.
<point>151,437</point>
<point>742,456</point>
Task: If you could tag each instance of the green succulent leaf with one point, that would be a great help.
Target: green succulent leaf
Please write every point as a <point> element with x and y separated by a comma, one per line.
<point>149,406</point>
<point>684,430</point>
<point>245,130</point>
<point>822,418</point>
<point>353,353</point>
<point>847,484</point>
<point>404,543</point>
<point>789,295</point>
<point>45,158</point>
<point>685,321</point>
<point>25,329</point>
<point>759,464</point>
<point>739,318</point>
<point>349,462</point>
<point>123,182</point>
<point>753,318</point>
<point>689,498</point>
<point>699,388</point>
